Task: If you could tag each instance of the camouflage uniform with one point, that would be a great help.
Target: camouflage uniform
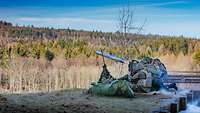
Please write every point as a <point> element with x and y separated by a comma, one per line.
<point>144,76</point>
<point>148,75</point>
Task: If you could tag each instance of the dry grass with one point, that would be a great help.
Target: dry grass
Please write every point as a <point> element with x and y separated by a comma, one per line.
<point>178,63</point>
<point>30,75</point>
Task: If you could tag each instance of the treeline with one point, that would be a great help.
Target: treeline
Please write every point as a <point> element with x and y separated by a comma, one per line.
<point>12,33</point>
<point>78,48</point>
<point>28,41</point>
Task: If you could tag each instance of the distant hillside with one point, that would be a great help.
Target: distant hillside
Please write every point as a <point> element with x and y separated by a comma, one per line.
<point>29,41</point>
<point>10,32</point>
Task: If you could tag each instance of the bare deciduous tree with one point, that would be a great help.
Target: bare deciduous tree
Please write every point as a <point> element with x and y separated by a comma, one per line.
<point>127,24</point>
<point>126,21</point>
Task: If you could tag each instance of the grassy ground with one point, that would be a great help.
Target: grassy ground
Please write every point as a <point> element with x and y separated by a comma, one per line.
<point>77,101</point>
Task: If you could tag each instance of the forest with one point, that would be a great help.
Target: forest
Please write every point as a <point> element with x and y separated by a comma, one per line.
<point>28,41</point>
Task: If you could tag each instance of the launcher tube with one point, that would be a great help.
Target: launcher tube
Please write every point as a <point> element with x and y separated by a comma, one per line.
<point>109,56</point>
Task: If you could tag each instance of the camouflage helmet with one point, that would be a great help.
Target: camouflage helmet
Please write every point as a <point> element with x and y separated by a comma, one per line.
<point>146,60</point>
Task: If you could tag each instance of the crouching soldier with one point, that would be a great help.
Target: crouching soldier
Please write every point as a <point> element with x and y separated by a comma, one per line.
<point>145,76</point>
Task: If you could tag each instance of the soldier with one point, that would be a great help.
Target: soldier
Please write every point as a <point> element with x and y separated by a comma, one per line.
<point>144,76</point>
<point>105,77</point>
<point>147,75</point>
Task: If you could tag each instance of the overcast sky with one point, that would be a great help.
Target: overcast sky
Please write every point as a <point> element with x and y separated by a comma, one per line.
<point>165,17</point>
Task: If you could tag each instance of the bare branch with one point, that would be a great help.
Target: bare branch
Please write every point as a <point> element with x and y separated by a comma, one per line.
<point>126,22</point>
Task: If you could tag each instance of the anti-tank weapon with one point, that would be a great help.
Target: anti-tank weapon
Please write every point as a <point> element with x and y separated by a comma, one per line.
<point>111,57</point>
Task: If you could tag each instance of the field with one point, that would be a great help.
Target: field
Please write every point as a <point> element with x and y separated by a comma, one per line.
<point>44,70</point>
<point>30,75</point>
<point>77,101</point>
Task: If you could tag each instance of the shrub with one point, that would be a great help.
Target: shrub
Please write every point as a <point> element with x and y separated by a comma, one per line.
<point>68,53</point>
<point>42,47</point>
<point>196,56</point>
<point>1,53</point>
<point>50,44</point>
<point>61,43</point>
<point>35,53</point>
<point>184,47</point>
<point>49,55</point>
<point>22,50</point>
<point>3,57</point>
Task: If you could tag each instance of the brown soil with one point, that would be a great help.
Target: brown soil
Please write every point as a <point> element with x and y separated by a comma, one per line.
<point>77,101</point>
